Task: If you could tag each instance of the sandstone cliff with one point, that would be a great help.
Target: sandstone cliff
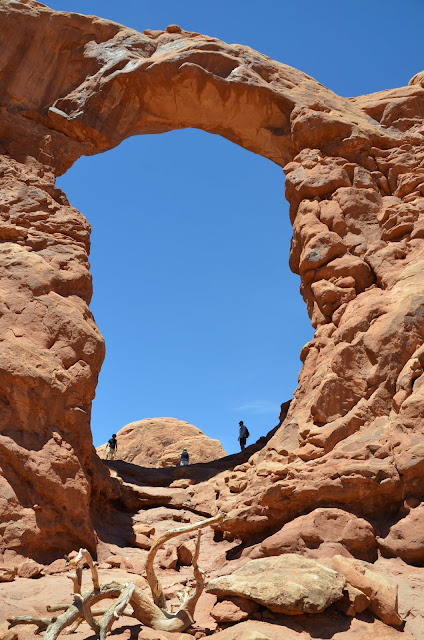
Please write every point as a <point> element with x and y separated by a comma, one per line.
<point>352,439</point>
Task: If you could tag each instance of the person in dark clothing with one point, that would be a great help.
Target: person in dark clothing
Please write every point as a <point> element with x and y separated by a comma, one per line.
<point>243,434</point>
<point>184,458</point>
<point>112,447</point>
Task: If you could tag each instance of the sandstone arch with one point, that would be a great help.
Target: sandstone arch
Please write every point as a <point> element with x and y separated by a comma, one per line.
<point>355,182</point>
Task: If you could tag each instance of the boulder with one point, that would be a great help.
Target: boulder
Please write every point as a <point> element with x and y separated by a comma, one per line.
<point>185,554</point>
<point>406,538</point>
<point>141,541</point>
<point>354,601</point>
<point>115,561</point>
<point>29,569</point>
<point>287,584</point>
<point>233,610</point>
<point>57,566</point>
<point>158,442</point>
<point>168,558</point>
<point>7,574</point>
<point>324,526</point>
<point>144,529</point>
<point>382,592</point>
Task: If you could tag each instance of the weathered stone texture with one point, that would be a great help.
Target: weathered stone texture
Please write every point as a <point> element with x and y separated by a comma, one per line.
<point>352,438</point>
<point>158,442</point>
<point>287,584</point>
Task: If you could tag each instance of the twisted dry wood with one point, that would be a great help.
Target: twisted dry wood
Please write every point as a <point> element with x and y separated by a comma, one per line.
<point>149,612</point>
<point>153,582</point>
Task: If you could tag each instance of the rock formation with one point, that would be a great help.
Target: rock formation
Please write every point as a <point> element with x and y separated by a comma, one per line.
<point>310,586</point>
<point>352,438</point>
<point>158,442</point>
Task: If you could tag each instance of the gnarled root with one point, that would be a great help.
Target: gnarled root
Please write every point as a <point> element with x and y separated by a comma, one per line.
<point>151,613</point>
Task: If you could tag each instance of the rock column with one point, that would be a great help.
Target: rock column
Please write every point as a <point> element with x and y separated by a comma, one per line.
<point>51,353</point>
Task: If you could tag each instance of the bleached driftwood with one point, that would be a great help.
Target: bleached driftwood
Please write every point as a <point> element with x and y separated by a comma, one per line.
<point>150,612</point>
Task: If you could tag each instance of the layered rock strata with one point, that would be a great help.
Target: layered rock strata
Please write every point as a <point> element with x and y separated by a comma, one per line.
<point>352,438</point>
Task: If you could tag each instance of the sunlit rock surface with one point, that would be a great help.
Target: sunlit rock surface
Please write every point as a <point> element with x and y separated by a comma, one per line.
<point>353,437</point>
<point>158,442</point>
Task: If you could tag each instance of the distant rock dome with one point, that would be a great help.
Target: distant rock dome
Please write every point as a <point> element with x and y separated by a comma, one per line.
<point>158,442</point>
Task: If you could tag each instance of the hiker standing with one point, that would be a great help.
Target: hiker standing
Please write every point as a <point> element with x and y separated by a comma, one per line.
<point>243,434</point>
<point>112,447</point>
<point>184,458</point>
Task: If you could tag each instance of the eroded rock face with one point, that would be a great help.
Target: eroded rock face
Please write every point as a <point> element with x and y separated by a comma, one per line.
<point>405,538</point>
<point>353,434</point>
<point>310,534</point>
<point>51,352</point>
<point>158,442</point>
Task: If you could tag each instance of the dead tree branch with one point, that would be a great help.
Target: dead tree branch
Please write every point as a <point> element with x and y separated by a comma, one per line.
<point>115,610</point>
<point>76,579</point>
<point>42,623</point>
<point>83,554</point>
<point>152,580</point>
<point>151,613</point>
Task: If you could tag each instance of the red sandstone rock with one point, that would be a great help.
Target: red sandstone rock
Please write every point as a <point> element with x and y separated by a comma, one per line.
<point>256,630</point>
<point>142,541</point>
<point>356,249</point>
<point>7,574</point>
<point>356,535</point>
<point>406,538</point>
<point>29,569</point>
<point>115,561</point>
<point>354,601</point>
<point>185,554</point>
<point>233,610</point>
<point>383,593</point>
<point>58,566</point>
<point>353,434</point>
<point>143,529</point>
<point>158,442</point>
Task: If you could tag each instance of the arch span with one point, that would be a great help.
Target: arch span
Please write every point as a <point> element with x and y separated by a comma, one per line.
<point>355,185</point>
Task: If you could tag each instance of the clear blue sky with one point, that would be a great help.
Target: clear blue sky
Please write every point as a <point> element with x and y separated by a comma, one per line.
<point>202,318</point>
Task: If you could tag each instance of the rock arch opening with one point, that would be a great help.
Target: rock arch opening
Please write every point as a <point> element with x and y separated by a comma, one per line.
<point>191,289</point>
<point>354,182</point>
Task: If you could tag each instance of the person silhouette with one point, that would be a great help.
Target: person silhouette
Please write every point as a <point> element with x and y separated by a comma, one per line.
<point>243,434</point>
<point>184,458</point>
<point>112,447</point>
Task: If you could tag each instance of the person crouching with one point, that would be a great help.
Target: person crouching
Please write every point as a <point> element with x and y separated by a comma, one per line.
<point>184,458</point>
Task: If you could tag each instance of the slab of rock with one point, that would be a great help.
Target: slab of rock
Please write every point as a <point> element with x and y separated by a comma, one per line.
<point>143,529</point>
<point>29,569</point>
<point>7,574</point>
<point>321,627</point>
<point>141,541</point>
<point>324,525</point>
<point>382,592</point>
<point>406,538</point>
<point>286,584</point>
<point>57,566</point>
<point>115,561</point>
<point>233,610</point>
<point>158,442</point>
<point>185,554</point>
<point>354,601</point>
